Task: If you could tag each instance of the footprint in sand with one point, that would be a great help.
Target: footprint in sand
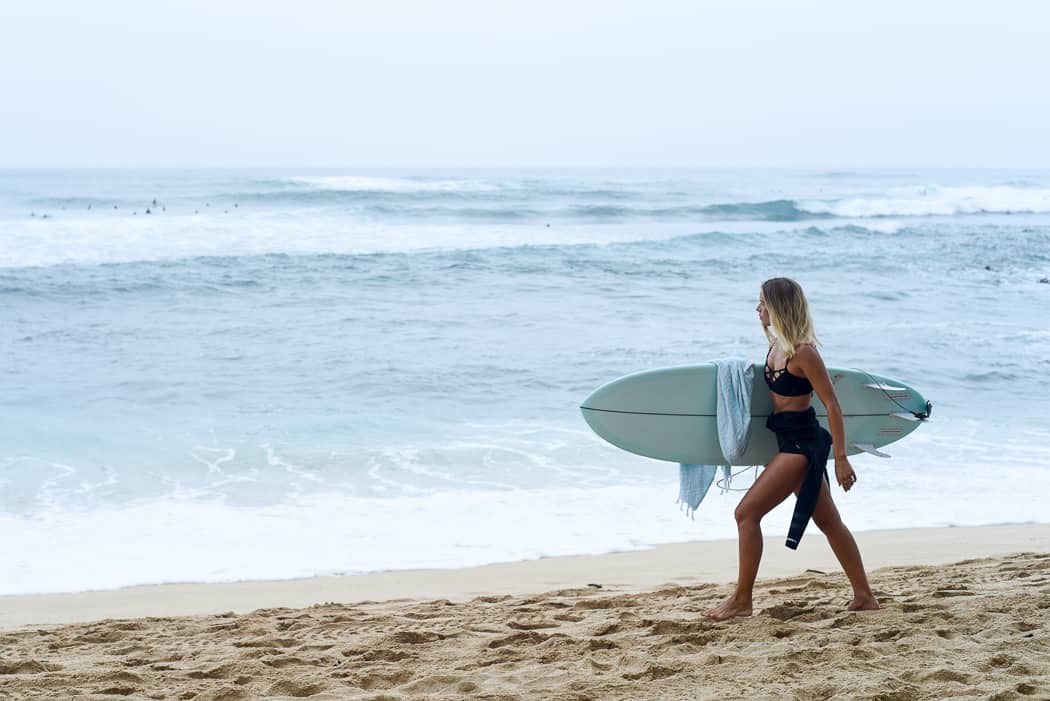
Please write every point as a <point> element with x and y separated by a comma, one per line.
<point>945,675</point>
<point>1023,626</point>
<point>783,632</point>
<point>294,688</point>
<point>225,693</point>
<point>221,672</point>
<point>266,642</point>
<point>672,627</point>
<point>27,667</point>
<point>441,683</point>
<point>416,637</point>
<point>607,629</point>
<point>569,617</point>
<point>323,647</point>
<point>608,603</point>
<point>788,610</point>
<point>886,635</point>
<point>651,673</point>
<point>122,678</point>
<point>380,680</point>
<point>863,653</point>
<point>999,661</point>
<point>912,607</point>
<point>949,593</point>
<point>285,661</point>
<point>378,654</point>
<point>532,625</point>
<point>99,636</point>
<point>503,656</point>
<point>525,638</point>
<point>119,690</point>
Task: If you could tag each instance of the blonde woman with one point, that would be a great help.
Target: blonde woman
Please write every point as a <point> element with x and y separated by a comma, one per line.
<point>794,370</point>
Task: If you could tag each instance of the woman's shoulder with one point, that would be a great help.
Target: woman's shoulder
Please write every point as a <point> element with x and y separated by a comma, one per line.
<point>806,353</point>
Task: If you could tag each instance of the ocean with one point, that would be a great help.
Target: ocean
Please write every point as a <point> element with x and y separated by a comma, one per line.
<point>241,375</point>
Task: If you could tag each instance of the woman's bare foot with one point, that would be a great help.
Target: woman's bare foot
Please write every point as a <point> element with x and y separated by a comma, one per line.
<point>863,602</point>
<point>730,608</point>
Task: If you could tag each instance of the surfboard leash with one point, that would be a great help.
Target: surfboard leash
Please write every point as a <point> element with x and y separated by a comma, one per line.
<point>725,485</point>
<point>920,415</point>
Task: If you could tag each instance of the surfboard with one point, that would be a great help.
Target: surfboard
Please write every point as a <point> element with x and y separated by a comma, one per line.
<point>669,413</point>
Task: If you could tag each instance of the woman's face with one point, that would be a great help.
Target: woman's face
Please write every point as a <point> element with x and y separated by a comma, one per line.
<point>763,313</point>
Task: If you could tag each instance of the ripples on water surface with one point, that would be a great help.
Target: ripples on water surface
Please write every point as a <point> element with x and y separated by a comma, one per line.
<point>396,360</point>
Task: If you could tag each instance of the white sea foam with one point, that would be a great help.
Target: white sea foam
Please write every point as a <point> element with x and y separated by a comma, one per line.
<point>934,200</point>
<point>78,239</point>
<point>361,183</point>
<point>888,226</point>
<point>176,540</point>
<point>94,240</point>
<point>881,226</point>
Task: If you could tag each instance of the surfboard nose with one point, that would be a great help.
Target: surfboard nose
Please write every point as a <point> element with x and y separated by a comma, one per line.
<point>597,403</point>
<point>592,401</point>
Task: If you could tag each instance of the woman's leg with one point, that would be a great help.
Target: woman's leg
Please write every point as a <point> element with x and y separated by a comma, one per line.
<point>827,518</point>
<point>782,476</point>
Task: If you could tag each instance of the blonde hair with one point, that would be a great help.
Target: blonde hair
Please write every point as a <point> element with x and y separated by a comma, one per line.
<point>789,315</point>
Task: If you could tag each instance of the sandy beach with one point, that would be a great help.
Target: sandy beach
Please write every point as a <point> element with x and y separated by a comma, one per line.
<point>965,615</point>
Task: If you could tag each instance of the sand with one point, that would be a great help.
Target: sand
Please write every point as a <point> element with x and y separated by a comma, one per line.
<point>952,627</point>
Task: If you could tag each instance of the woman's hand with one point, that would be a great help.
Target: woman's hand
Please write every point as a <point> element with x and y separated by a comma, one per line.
<point>844,473</point>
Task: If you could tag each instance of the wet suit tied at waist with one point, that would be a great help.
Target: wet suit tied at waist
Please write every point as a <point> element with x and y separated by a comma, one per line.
<point>798,432</point>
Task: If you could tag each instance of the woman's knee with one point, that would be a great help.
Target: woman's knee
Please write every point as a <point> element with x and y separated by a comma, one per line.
<point>829,525</point>
<point>746,516</point>
<point>825,515</point>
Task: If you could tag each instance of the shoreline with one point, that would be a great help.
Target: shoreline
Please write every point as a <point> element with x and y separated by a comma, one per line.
<point>677,564</point>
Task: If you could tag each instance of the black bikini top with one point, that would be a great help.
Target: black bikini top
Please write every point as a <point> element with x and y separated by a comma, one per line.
<point>784,383</point>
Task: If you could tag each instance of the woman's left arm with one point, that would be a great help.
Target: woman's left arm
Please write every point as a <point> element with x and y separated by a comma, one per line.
<point>812,366</point>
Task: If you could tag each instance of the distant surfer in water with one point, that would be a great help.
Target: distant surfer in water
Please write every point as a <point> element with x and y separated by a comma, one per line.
<point>794,370</point>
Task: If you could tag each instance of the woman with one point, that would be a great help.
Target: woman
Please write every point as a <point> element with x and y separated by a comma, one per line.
<point>794,369</point>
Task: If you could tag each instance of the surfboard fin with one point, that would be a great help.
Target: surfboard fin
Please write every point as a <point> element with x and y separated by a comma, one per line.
<point>907,416</point>
<point>869,448</point>
<point>885,388</point>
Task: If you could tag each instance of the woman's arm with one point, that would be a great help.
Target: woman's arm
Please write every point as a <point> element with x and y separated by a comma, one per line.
<point>812,366</point>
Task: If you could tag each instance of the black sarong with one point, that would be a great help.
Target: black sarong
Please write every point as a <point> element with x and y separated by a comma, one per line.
<point>798,432</point>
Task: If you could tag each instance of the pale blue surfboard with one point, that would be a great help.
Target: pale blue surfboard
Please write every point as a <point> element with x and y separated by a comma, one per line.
<point>669,413</point>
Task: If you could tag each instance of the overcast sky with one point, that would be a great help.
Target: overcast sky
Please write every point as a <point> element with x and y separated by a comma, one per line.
<point>456,83</point>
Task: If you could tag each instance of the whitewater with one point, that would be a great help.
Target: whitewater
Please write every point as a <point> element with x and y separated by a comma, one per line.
<point>233,375</point>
